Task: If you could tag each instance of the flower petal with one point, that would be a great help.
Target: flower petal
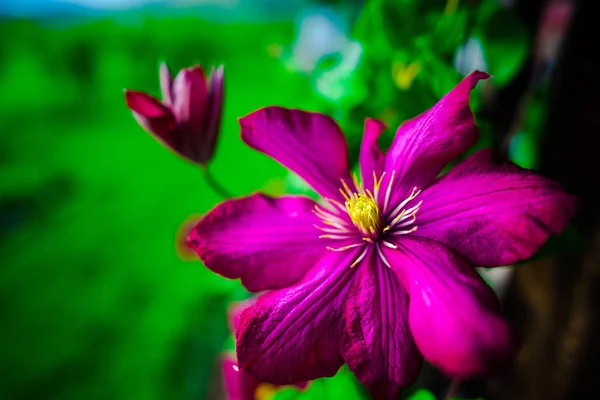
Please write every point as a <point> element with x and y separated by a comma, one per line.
<point>372,159</point>
<point>425,144</point>
<point>310,144</point>
<point>493,212</point>
<point>454,316</point>
<point>152,115</point>
<point>190,95</point>
<point>377,344</point>
<point>166,84</point>
<point>293,335</point>
<point>268,242</point>
<point>238,384</point>
<point>213,114</point>
<point>145,105</point>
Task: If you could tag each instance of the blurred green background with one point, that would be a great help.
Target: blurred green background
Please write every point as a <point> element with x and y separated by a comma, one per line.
<point>98,300</point>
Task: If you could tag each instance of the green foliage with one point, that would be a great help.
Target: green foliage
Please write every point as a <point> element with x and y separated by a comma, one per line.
<point>505,44</point>
<point>422,394</point>
<point>407,59</point>
<point>96,302</point>
<point>342,386</point>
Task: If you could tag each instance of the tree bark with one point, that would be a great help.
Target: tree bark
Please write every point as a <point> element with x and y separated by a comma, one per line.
<point>555,303</point>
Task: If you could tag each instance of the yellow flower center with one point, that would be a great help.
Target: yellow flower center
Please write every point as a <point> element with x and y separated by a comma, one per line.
<point>364,213</point>
<point>370,212</point>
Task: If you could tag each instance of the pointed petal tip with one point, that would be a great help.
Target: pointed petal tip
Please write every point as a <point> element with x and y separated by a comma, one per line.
<point>166,82</point>
<point>144,104</point>
<point>249,118</point>
<point>219,69</point>
<point>217,81</point>
<point>244,121</point>
<point>376,122</point>
<point>195,69</point>
<point>186,77</point>
<point>476,76</point>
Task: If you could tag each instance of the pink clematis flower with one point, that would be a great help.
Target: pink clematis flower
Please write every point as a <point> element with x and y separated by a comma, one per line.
<point>380,273</point>
<point>189,117</point>
<point>239,384</point>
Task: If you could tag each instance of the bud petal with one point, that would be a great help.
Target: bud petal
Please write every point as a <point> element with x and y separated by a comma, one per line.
<point>190,97</point>
<point>214,112</point>
<point>166,84</point>
<point>152,115</point>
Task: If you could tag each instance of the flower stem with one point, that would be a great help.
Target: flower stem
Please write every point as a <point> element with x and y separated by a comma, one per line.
<point>215,185</point>
<point>453,389</point>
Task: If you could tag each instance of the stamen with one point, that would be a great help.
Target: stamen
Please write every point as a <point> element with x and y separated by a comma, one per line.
<point>336,203</point>
<point>405,215</point>
<point>349,236</point>
<point>414,228</point>
<point>388,244</point>
<point>325,215</point>
<point>377,185</point>
<point>385,261</point>
<point>410,222</point>
<point>335,225</point>
<point>345,247</point>
<point>326,230</point>
<point>364,213</point>
<point>346,188</point>
<point>388,191</point>
<point>414,194</point>
<point>330,208</point>
<point>344,194</point>
<point>359,259</point>
<point>358,185</point>
<point>362,206</point>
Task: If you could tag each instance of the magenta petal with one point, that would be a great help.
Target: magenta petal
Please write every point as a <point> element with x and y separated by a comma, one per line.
<point>145,105</point>
<point>214,112</point>
<point>190,99</point>
<point>372,159</point>
<point>454,316</point>
<point>425,144</point>
<point>267,242</point>
<point>293,335</point>
<point>152,115</point>
<point>493,212</point>
<point>238,384</point>
<point>166,84</point>
<point>377,344</point>
<point>310,144</point>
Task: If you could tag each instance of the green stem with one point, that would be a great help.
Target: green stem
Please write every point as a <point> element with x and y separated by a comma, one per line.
<point>215,185</point>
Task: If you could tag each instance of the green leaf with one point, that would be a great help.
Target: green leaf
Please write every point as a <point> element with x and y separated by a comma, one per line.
<point>504,40</point>
<point>422,394</point>
<point>341,386</point>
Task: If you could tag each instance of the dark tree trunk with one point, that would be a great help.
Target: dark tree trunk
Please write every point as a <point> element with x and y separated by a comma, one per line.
<point>555,303</point>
